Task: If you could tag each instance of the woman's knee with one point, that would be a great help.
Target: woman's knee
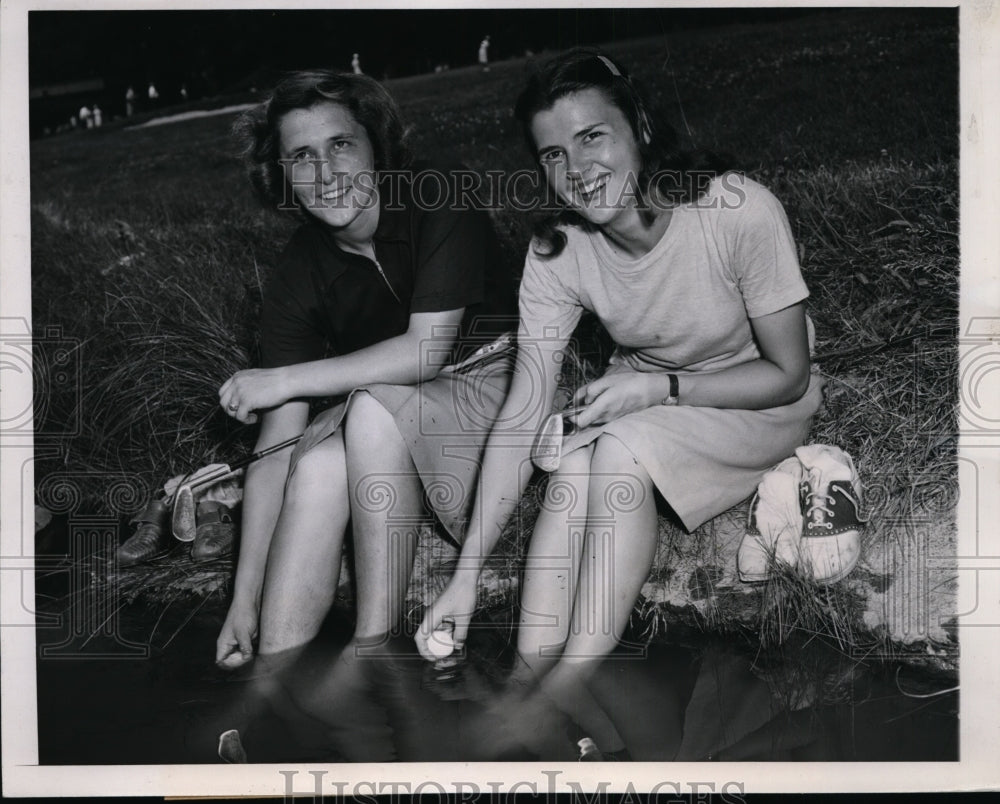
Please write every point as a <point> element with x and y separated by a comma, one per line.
<point>320,469</point>
<point>614,466</point>
<point>369,423</point>
<point>568,483</point>
<point>611,456</point>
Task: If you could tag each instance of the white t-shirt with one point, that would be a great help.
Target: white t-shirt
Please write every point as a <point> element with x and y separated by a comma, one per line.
<point>685,305</point>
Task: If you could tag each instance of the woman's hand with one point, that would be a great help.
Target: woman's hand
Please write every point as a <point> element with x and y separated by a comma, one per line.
<point>615,395</point>
<point>454,607</point>
<point>253,390</point>
<point>234,647</point>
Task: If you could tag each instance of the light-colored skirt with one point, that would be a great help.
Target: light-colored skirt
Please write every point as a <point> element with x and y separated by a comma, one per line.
<point>705,460</point>
<point>445,424</point>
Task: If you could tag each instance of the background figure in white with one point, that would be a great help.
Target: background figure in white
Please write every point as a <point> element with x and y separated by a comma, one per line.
<point>85,120</point>
<point>129,102</point>
<point>153,94</point>
<point>184,92</point>
<point>484,55</point>
<point>97,116</point>
<point>356,64</point>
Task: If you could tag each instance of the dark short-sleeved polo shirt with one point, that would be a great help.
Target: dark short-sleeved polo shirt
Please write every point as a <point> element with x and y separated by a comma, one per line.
<point>433,256</point>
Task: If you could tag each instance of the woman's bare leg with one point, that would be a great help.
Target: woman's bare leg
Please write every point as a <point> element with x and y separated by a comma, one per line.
<point>387,508</point>
<point>551,570</point>
<point>621,533</point>
<point>303,565</point>
<point>303,570</point>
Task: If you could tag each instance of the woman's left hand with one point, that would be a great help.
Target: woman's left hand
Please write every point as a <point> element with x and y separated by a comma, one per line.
<point>253,390</point>
<point>613,396</point>
<point>453,608</point>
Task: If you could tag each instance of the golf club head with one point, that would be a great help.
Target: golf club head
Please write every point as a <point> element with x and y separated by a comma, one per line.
<point>546,452</point>
<point>183,523</point>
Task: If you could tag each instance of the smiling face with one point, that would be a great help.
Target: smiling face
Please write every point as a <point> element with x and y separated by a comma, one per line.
<point>329,161</point>
<point>590,157</point>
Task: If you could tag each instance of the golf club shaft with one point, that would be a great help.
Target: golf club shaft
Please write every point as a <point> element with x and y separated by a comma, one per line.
<point>228,469</point>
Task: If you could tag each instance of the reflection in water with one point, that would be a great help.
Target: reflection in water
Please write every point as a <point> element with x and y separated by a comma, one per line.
<point>334,702</point>
<point>384,703</point>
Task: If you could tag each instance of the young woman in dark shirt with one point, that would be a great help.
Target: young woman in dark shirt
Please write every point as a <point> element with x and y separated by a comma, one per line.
<point>371,300</point>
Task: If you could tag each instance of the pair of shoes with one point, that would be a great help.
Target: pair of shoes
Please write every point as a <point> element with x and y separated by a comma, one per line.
<point>151,538</point>
<point>215,532</point>
<point>805,514</point>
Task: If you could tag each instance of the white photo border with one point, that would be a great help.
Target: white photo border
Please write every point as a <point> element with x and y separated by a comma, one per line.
<point>979,535</point>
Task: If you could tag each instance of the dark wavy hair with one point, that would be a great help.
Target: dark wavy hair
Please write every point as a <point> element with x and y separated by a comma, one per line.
<point>257,131</point>
<point>677,176</point>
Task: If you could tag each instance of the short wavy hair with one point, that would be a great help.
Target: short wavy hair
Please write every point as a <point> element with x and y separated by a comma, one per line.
<point>677,175</point>
<point>257,131</point>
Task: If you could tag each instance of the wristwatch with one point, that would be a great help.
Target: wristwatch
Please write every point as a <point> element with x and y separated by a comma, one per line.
<point>673,398</point>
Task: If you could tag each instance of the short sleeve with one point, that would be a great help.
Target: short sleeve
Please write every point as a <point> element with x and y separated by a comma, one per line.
<point>765,259</point>
<point>289,329</point>
<point>453,248</point>
<point>548,307</point>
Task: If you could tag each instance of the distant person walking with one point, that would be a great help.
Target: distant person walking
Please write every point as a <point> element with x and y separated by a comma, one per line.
<point>184,92</point>
<point>129,102</point>
<point>484,53</point>
<point>152,93</point>
<point>97,116</point>
<point>356,65</point>
<point>85,119</point>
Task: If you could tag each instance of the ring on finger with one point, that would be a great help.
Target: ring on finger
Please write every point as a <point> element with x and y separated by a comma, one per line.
<point>233,406</point>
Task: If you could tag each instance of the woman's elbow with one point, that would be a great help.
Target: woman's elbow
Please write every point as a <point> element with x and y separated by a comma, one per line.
<point>428,373</point>
<point>796,387</point>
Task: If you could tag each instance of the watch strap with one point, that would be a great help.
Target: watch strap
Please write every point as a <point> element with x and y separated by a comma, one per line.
<point>674,396</point>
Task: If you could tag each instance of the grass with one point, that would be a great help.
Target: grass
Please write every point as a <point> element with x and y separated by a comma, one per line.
<point>148,251</point>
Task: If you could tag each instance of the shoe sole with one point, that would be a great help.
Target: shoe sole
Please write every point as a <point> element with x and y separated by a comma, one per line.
<point>808,563</point>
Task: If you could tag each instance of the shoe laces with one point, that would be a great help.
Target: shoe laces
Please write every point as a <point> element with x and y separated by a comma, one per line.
<point>816,501</point>
<point>146,533</point>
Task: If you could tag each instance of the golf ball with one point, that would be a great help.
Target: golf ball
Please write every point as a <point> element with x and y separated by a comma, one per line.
<point>441,644</point>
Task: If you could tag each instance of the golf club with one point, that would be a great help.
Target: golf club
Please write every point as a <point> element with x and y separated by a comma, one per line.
<point>183,521</point>
<point>546,452</point>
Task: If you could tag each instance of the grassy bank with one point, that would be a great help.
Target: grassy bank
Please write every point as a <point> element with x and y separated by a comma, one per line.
<point>148,251</point>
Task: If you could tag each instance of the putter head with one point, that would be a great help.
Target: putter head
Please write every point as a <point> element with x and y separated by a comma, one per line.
<point>183,523</point>
<point>546,452</point>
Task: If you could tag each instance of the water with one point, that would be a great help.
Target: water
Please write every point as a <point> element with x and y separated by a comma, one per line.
<point>702,700</point>
<point>143,689</point>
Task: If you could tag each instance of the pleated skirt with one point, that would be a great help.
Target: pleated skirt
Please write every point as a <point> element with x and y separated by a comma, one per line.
<point>444,423</point>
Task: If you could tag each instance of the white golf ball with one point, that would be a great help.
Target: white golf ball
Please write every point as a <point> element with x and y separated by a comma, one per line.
<point>441,644</point>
